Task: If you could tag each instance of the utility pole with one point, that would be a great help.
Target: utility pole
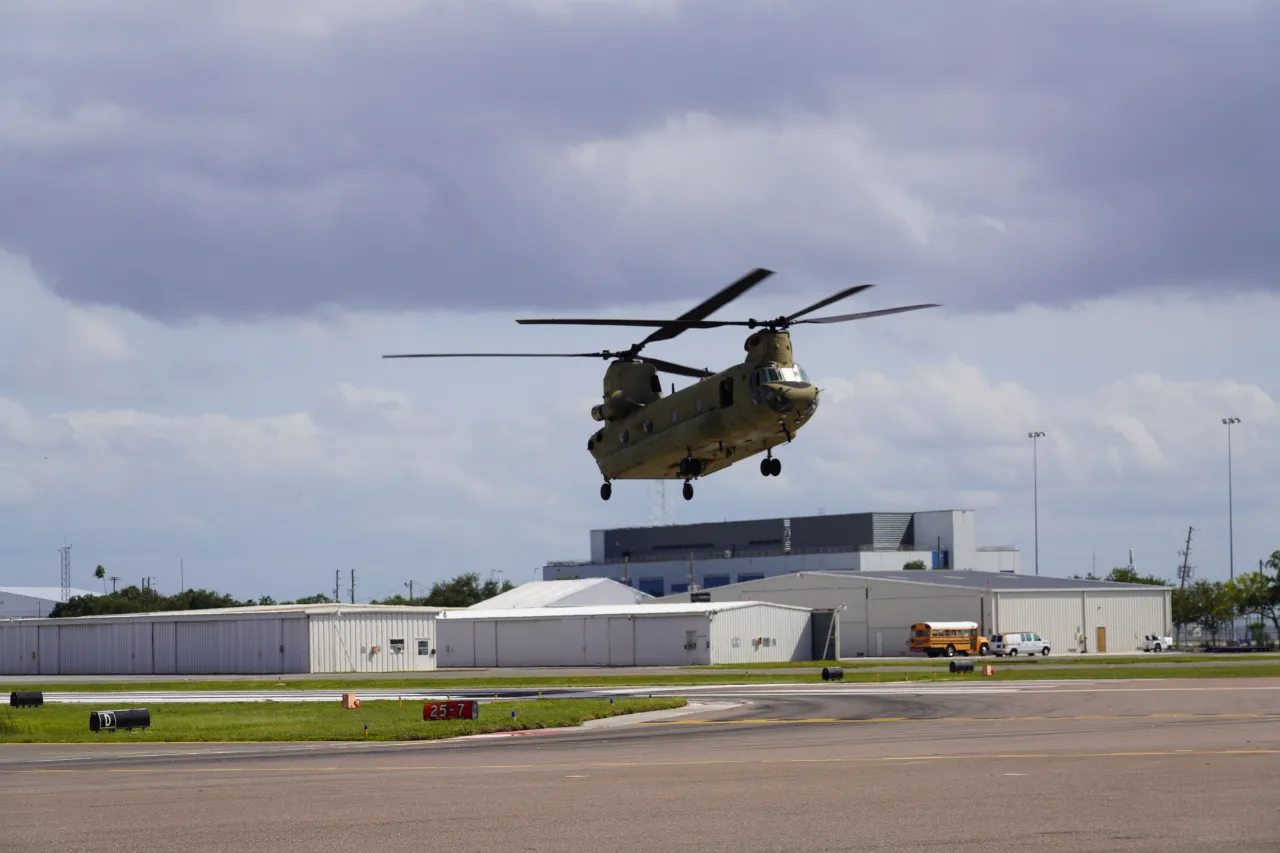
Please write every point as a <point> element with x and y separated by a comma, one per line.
<point>113,580</point>
<point>410,585</point>
<point>1184,573</point>
<point>182,576</point>
<point>1231,536</point>
<point>65,551</point>
<point>337,585</point>
<point>1035,462</point>
<point>353,586</point>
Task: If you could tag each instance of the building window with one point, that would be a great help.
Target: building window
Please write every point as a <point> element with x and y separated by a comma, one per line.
<point>424,647</point>
<point>397,647</point>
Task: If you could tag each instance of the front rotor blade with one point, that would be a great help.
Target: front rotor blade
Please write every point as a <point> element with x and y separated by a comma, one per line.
<point>678,369</point>
<point>715,303</point>
<point>501,355</point>
<point>844,294</point>
<point>844,318</point>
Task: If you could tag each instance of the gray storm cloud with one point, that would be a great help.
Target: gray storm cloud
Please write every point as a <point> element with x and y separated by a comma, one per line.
<point>246,159</point>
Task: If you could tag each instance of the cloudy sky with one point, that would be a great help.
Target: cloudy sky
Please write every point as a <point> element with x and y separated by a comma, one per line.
<point>217,217</point>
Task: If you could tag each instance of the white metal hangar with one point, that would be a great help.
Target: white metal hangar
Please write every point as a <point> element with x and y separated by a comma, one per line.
<point>877,609</point>
<point>28,601</point>
<point>582,592</point>
<point>667,559</point>
<point>625,635</point>
<point>292,638</point>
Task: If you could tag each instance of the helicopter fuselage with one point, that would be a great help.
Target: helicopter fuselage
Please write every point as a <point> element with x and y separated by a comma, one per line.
<point>716,422</point>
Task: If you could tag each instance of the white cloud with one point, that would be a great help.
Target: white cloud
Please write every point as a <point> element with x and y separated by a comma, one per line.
<point>303,451</point>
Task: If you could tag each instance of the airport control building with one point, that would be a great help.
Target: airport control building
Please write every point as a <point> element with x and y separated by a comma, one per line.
<point>666,560</point>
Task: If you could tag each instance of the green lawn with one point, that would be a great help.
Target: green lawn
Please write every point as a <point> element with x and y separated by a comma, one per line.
<point>309,721</point>
<point>1041,669</point>
<point>1118,660</point>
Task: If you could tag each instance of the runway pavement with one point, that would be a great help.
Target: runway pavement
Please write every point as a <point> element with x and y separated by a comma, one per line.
<point>1117,766</point>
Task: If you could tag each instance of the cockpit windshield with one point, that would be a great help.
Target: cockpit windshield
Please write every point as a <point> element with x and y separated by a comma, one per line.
<point>794,373</point>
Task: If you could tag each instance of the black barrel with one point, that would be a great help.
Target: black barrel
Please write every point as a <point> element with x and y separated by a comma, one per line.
<point>26,699</point>
<point>109,721</point>
<point>832,673</point>
<point>962,666</point>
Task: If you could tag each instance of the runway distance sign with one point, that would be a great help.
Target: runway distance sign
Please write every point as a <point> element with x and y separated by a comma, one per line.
<point>457,709</point>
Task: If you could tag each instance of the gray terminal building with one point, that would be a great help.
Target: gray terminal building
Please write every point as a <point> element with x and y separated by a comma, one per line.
<point>668,559</point>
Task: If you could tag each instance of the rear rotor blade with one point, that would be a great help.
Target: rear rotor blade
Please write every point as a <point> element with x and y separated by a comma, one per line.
<point>501,355</point>
<point>844,318</point>
<point>592,321</point>
<point>678,369</point>
<point>702,311</point>
<point>844,294</point>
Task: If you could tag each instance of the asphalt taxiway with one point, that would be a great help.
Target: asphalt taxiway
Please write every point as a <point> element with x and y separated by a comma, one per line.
<point>1127,766</point>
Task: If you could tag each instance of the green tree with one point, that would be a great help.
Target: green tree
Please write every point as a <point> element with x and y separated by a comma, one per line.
<point>464,591</point>
<point>101,574</point>
<point>318,598</point>
<point>1124,574</point>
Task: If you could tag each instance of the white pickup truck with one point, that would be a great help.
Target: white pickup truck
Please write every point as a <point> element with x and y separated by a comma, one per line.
<point>1152,643</point>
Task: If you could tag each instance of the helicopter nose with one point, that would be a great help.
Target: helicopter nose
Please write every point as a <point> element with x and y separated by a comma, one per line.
<point>803,399</point>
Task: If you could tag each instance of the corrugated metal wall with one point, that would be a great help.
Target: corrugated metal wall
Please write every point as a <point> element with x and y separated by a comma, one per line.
<point>1060,617</point>
<point>146,646</point>
<point>354,641</point>
<point>574,641</point>
<point>761,634</point>
<point>19,649</point>
<point>122,648</point>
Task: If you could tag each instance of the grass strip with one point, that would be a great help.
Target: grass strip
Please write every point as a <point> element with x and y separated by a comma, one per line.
<point>444,685</point>
<point>1127,660</point>
<point>309,721</point>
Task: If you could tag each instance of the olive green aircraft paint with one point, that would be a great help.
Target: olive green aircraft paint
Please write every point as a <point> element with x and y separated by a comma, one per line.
<point>718,421</point>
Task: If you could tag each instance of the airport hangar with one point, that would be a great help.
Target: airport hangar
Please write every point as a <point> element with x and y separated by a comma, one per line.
<point>666,559</point>
<point>877,609</point>
<point>623,628</point>
<point>33,600</point>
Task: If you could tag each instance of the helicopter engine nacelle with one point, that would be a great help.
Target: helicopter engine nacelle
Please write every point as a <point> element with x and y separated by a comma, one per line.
<point>628,387</point>
<point>616,405</point>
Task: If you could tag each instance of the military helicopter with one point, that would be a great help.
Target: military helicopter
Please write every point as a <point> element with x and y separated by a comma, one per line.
<point>718,421</point>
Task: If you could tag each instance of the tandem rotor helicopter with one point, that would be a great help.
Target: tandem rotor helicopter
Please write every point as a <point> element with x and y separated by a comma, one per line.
<point>718,421</point>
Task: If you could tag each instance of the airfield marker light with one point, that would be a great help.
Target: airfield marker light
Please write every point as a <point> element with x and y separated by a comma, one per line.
<point>110,721</point>
<point>26,699</point>
<point>610,700</point>
<point>513,715</point>
<point>366,729</point>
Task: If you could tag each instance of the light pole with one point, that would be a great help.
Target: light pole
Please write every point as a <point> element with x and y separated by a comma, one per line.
<point>1035,462</point>
<point>1231,537</point>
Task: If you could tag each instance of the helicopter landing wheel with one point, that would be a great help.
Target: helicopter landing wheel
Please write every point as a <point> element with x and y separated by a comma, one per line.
<point>606,491</point>
<point>688,490</point>
<point>770,467</point>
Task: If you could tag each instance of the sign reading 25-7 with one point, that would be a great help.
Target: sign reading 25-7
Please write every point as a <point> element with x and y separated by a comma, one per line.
<point>458,709</point>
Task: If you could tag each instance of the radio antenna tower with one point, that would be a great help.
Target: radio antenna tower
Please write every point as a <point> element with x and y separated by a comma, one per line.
<point>660,513</point>
<point>1184,572</point>
<point>65,551</point>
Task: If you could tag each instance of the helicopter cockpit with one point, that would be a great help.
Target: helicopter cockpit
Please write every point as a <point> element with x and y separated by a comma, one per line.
<point>783,389</point>
<point>771,374</point>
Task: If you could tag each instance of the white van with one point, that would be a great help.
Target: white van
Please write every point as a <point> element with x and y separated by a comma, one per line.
<point>1018,643</point>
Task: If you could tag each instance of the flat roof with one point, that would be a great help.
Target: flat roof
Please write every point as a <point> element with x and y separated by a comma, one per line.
<point>780,518</point>
<point>983,580</point>
<point>44,593</point>
<point>649,609</point>
<point>254,611</point>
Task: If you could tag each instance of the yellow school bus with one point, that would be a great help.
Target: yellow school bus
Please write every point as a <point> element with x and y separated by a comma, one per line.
<point>948,638</point>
